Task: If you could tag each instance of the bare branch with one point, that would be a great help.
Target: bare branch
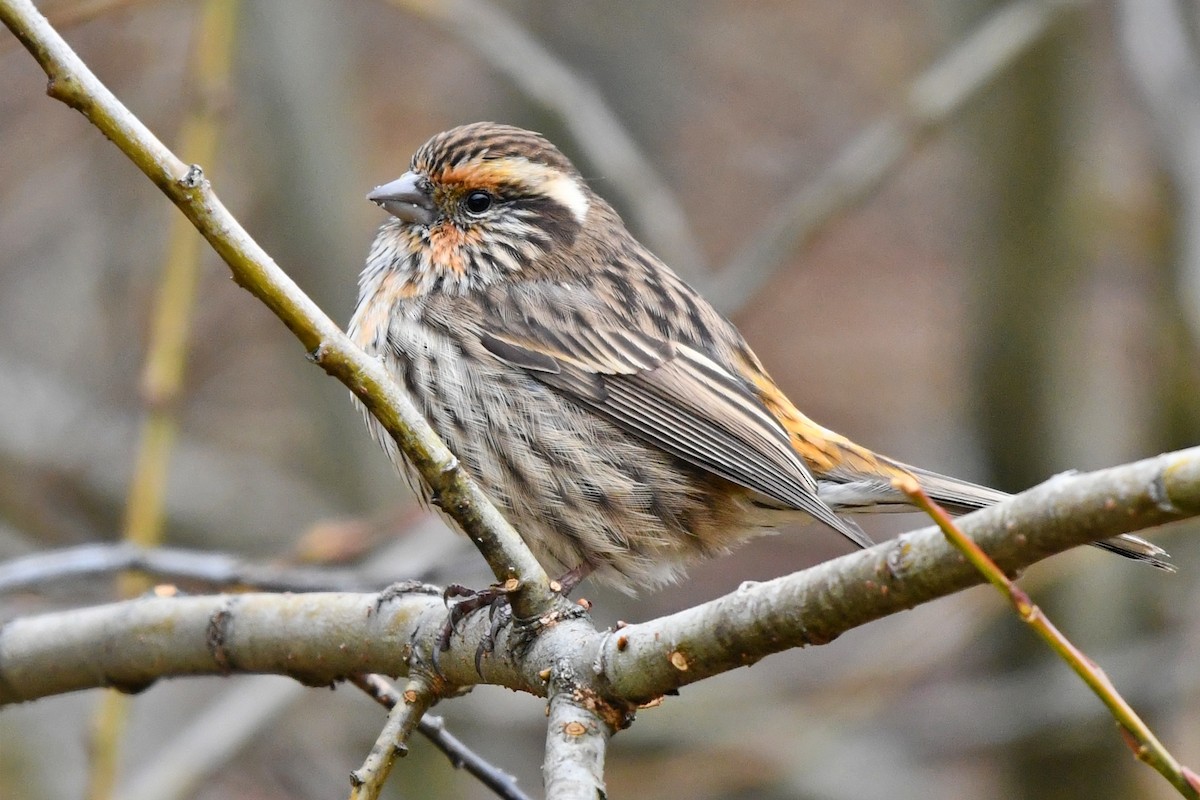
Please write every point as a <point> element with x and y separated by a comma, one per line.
<point>434,729</point>
<point>576,740</point>
<point>322,638</point>
<point>403,717</point>
<point>74,84</point>
<point>816,606</point>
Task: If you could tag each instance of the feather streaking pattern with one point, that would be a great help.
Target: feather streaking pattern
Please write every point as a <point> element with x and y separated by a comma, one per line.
<point>619,422</point>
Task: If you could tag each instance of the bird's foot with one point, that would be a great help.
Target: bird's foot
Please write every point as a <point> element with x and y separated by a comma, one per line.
<point>493,598</point>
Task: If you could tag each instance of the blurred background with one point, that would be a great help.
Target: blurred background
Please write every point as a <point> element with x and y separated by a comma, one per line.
<point>966,234</point>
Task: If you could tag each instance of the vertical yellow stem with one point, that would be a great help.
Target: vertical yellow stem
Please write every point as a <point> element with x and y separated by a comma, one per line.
<point>162,376</point>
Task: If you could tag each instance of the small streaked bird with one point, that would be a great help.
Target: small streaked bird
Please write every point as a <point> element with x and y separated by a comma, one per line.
<point>618,421</point>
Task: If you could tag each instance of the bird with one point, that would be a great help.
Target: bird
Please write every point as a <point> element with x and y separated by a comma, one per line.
<point>617,420</point>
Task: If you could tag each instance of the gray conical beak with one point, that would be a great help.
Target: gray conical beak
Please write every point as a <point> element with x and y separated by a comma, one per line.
<point>405,198</point>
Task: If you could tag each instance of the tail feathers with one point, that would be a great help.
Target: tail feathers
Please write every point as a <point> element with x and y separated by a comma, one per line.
<point>874,493</point>
<point>954,495</point>
<point>860,493</point>
<point>1138,549</point>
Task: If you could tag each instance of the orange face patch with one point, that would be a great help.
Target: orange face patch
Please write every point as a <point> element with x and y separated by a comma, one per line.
<point>449,244</point>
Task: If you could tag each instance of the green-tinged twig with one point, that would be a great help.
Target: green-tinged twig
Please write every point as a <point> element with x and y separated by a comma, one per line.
<point>434,729</point>
<point>105,734</point>
<point>1145,745</point>
<point>403,717</point>
<point>75,85</point>
<point>162,377</point>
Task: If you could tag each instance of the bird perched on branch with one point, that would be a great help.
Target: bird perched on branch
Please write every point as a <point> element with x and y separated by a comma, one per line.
<point>617,420</point>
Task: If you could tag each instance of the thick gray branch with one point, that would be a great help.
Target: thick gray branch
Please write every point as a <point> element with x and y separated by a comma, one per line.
<point>321,638</point>
<point>819,604</point>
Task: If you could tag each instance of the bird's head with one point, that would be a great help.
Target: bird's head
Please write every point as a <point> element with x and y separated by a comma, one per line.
<point>482,202</point>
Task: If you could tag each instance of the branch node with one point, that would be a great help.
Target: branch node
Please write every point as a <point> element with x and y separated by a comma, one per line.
<point>193,178</point>
<point>217,636</point>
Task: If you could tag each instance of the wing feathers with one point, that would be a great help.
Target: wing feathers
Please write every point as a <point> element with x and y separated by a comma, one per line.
<point>673,397</point>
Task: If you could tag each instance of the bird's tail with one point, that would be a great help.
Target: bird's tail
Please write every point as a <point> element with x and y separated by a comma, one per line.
<point>871,490</point>
<point>962,497</point>
<point>852,479</point>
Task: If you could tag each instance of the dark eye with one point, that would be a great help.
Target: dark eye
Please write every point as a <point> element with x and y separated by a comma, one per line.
<point>478,202</point>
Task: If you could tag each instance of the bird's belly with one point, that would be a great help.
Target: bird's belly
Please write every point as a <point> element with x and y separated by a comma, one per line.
<point>579,489</point>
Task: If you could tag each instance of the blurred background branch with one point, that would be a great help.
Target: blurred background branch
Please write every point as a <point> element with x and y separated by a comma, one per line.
<point>1159,45</point>
<point>928,104</point>
<point>161,382</point>
<point>599,133</point>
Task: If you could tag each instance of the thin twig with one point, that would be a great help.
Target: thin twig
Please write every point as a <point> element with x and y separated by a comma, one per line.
<point>1141,740</point>
<point>434,729</point>
<point>929,102</point>
<point>403,717</point>
<point>218,570</point>
<point>548,81</point>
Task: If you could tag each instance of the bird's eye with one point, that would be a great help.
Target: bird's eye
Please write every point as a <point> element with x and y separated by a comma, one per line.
<point>478,202</point>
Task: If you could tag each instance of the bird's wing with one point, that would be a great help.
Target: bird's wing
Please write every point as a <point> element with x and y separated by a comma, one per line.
<point>669,395</point>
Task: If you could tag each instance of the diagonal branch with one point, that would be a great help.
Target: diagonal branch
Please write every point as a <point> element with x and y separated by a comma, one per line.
<point>74,84</point>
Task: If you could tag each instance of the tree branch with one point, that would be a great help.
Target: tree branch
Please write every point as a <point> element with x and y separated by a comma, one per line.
<point>819,604</point>
<point>322,638</point>
<point>434,729</point>
<point>576,739</point>
<point>74,84</point>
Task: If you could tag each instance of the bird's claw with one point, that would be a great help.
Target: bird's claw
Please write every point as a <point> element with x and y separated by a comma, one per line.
<point>493,598</point>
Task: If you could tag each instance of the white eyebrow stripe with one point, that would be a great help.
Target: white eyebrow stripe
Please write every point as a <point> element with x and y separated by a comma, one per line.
<point>566,191</point>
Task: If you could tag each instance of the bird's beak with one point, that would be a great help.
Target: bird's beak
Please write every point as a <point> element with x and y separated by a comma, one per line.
<point>405,199</point>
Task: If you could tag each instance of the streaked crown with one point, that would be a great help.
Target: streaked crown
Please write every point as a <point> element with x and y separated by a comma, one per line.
<point>487,141</point>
